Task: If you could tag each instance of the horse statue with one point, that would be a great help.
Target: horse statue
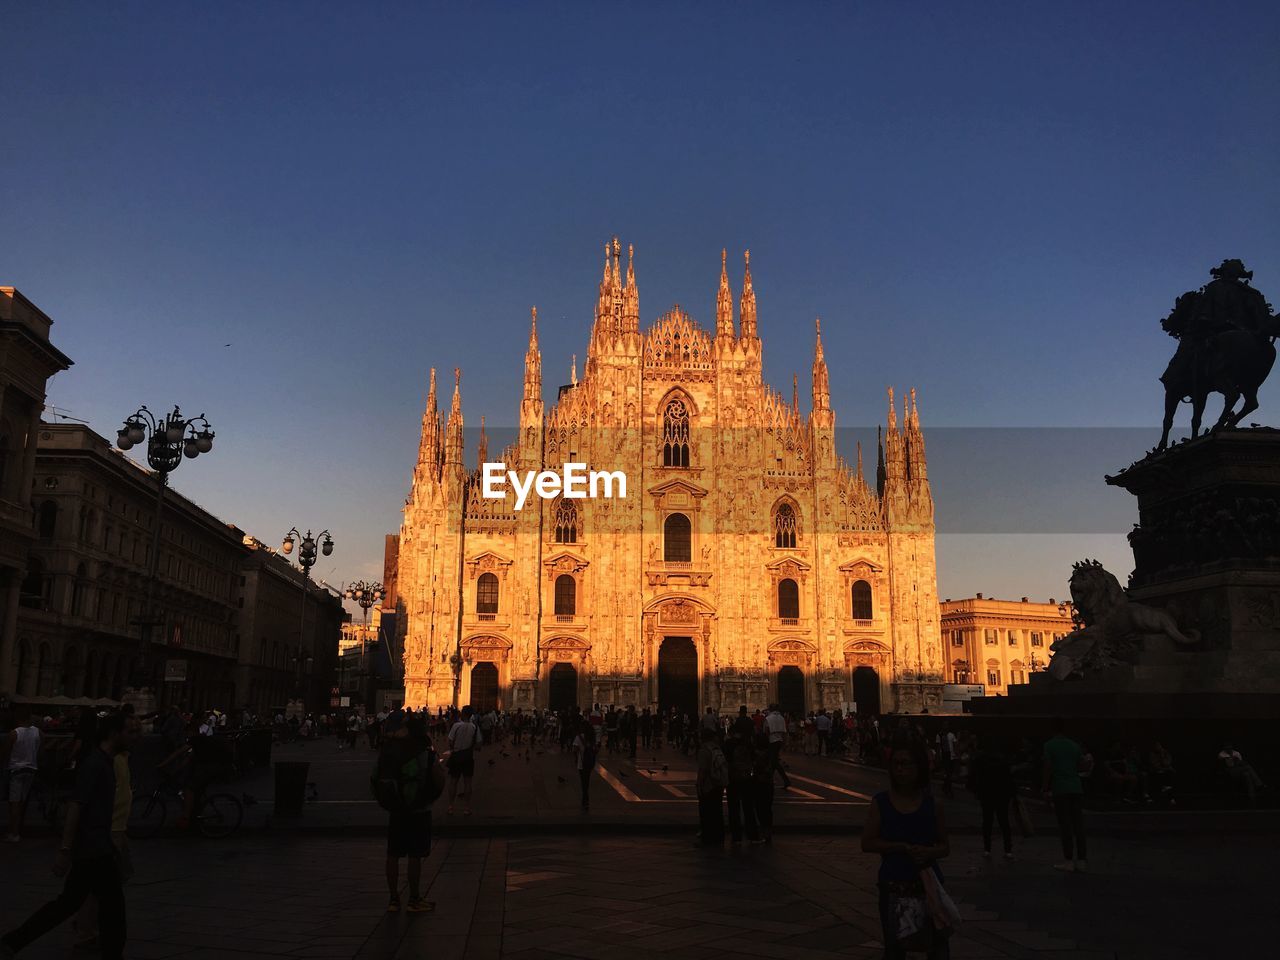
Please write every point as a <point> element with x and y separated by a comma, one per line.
<point>1226,335</point>
<point>1111,628</point>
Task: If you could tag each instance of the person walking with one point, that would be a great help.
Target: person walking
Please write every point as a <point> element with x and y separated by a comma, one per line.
<point>992,779</point>
<point>1064,761</point>
<point>822,724</point>
<point>584,747</point>
<point>776,725</point>
<point>86,855</point>
<point>22,747</point>
<point>87,919</point>
<point>713,777</point>
<point>627,726</point>
<point>740,753</point>
<point>406,783</point>
<point>762,786</point>
<point>464,738</point>
<point>906,827</point>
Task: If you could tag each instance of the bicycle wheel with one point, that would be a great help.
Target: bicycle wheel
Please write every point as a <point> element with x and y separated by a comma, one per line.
<point>220,815</point>
<point>146,816</point>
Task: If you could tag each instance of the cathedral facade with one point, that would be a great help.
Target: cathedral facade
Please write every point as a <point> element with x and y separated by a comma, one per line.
<point>748,563</point>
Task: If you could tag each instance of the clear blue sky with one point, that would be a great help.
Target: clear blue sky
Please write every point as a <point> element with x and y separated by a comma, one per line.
<point>993,202</point>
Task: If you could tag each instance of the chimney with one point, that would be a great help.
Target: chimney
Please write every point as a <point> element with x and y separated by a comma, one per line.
<point>1024,599</point>
<point>979,596</point>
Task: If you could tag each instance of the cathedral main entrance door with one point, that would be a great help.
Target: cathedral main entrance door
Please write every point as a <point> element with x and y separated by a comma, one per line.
<point>563,687</point>
<point>866,690</point>
<point>678,675</point>
<point>791,691</point>
<point>484,687</point>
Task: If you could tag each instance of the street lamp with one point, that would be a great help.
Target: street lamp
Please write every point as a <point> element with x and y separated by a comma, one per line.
<point>366,595</point>
<point>168,439</point>
<point>307,552</point>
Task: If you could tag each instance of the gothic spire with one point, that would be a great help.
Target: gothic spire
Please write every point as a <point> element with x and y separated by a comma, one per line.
<point>533,361</point>
<point>724,302</point>
<point>429,444</point>
<point>821,378</point>
<point>631,296</point>
<point>748,304</point>
<point>573,370</point>
<point>482,450</point>
<point>453,429</point>
<point>795,394</point>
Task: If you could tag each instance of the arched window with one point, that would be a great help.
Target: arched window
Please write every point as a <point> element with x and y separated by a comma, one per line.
<point>487,593</point>
<point>788,599</point>
<point>862,609</point>
<point>677,536</point>
<point>566,595</point>
<point>78,591</point>
<point>675,435</point>
<point>48,523</point>
<point>565,520</point>
<point>784,527</point>
<point>33,592</point>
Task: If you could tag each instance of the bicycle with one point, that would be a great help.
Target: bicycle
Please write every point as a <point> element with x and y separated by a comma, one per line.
<point>217,815</point>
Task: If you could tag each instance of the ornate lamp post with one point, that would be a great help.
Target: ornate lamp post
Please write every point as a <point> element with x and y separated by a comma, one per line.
<point>366,595</point>
<point>169,440</point>
<point>322,541</point>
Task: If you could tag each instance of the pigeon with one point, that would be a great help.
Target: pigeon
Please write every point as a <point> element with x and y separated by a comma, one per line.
<point>492,761</point>
<point>622,775</point>
<point>664,768</point>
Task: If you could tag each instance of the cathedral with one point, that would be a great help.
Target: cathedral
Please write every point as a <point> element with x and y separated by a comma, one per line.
<point>748,562</point>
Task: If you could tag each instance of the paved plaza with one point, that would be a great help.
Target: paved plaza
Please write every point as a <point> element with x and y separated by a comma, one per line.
<point>526,876</point>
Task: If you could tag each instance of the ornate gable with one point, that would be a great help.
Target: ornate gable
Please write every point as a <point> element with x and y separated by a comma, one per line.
<point>488,562</point>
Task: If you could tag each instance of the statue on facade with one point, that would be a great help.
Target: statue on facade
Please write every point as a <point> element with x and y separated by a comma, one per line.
<point>1110,627</point>
<point>1225,333</point>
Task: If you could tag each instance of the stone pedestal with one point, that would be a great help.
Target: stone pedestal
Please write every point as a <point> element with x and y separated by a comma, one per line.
<point>1207,550</point>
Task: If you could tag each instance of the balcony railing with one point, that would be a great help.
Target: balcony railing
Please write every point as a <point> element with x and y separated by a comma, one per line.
<point>564,618</point>
<point>678,564</point>
<point>790,621</point>
<point>486,616</point>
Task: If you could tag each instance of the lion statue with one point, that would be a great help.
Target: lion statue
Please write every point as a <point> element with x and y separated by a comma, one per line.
<point>1110,627</point>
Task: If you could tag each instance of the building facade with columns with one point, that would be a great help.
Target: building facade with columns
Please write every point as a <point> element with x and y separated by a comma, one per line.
<point>748,562</point>
<point>1000,642</point>
<point>27,361</point>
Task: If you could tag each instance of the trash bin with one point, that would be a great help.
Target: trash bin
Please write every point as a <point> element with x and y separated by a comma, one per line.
<point>291,787</point>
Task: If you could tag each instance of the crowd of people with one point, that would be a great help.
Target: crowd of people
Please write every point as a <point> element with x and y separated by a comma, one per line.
<point>420,755</point>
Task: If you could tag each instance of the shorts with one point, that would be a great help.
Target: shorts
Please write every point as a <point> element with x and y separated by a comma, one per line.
<point>409,833</point>
<point>20,782</point>
<point>462,763</point>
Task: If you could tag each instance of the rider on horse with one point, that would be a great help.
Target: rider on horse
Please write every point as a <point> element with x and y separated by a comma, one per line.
<point>1226,303</point>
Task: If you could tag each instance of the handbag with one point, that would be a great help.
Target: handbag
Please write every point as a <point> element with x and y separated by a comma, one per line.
<point>909,915</point>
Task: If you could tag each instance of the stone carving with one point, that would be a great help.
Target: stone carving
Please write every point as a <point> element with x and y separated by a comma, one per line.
<point>1225,333</point>
<point>679,611</point>
<point>1111,627</point>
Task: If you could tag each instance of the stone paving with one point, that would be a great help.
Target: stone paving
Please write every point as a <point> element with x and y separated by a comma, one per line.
<point>528,876</point>
<point>257,896</point>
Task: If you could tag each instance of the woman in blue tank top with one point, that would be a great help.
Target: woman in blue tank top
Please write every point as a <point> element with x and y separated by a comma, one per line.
<point>905,825</point>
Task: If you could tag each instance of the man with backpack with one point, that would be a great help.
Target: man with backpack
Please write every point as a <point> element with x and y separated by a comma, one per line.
<point>713,777</point>
<point>406,780</point>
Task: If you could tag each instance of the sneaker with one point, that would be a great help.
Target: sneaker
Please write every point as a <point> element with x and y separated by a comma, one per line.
<point>986,854</point>
<point>1008,855</point>
<point>1082,866</point>
<point>420,905</point>
<point>393,905</point>
<point>1066,865</point>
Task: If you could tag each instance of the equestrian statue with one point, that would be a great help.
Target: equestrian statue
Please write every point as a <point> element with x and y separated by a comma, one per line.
<point>1226,344</point>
